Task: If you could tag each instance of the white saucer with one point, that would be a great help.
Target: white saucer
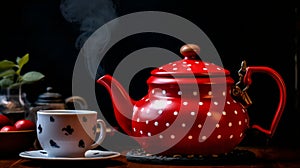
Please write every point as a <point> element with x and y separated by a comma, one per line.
<point>89,155</point>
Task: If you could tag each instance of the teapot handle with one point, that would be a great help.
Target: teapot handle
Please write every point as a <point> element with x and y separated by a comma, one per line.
<point>81,101</point>
<point>282,94</point>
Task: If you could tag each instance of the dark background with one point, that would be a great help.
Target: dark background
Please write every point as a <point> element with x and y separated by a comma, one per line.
<point>261,35</point>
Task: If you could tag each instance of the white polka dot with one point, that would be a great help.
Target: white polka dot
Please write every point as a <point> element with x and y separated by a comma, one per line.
<point>179,93</point>
<point>243,110</point>
<point>174,69</point>
<point>224,112</point>
<point>228,102</point>
<point>210,93</point>
<point>188,69</point>
<point>189,65</point>
<point>172,136</point>
<point>185,103</point>
<point>134,129</point>
<point>161,136</point>
<point>203,137</point>
<point>241,134</point>
<point>156,123</point>
<point>205,69</point>
<point>160,111</point>
<point>167,124</point>
<point>183,62</point>
<point>175,113</point>
<point>246,120</point>
<point>234,101</point>
<point>240,122</point>
<point>147,121</point>
<point>153,91</point>
<point>200,103</point>
<point>169,102</point>
<point>199,126</point>
<point>229,124</point>
<point>193,113</point>
<point>235,112</point>
<point>160,68</point>
<point>231,136</point>
<point>142,109</point>
<point>147,100</point>
<point>190,137</point>
<point>219,69</point>
<point>195,93</point>
<point>149,133</point>
<point>174,64</point>
<point>197,62</point>
<point>216,103</point>
<point>138,119</point>
<point>219,136</point>
<point>183,125</point>
<point>209,114</point>
<point>217,125</point>
<point>141,132</point>
<point>163,92</point>
<point>224,93</point>
<point>206,64</point>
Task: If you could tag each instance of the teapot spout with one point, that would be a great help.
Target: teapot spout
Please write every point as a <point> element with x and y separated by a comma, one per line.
<point>122,103</point>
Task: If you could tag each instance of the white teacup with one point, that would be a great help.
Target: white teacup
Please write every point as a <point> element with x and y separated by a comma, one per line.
<point>69,133</point>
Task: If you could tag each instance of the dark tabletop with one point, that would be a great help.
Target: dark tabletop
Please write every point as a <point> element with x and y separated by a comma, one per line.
<point>264,157</point>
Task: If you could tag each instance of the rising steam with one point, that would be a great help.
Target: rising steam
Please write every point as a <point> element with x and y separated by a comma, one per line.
<point>89,15</point>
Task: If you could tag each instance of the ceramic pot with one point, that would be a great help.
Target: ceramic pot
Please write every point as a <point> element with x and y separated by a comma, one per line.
<point>192,107</point>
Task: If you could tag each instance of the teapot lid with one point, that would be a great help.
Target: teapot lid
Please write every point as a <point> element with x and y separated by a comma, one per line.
<point>191,65</point>
<point>49,97</point>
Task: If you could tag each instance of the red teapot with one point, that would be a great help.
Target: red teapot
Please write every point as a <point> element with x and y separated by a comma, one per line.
<point>192,107</point>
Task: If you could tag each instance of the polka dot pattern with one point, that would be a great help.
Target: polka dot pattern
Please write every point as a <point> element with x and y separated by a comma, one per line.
<point>154,116</point>
<point>186,66</point>
<point>170,114</point>
<point>156,123</point>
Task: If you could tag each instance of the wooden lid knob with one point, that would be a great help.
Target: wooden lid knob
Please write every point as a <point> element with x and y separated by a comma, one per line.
<point>190,51</point>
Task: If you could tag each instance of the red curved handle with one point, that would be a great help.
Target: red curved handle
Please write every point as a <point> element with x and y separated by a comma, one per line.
<point>282,94</point>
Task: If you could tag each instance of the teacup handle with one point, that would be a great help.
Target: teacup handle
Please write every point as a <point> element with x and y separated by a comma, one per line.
<point>282,94</point>
<point>102,135</point>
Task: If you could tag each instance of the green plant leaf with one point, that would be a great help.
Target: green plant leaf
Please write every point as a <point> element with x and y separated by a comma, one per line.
<point>5,65</point>
<point>32,76</point>
<point>21,62</point>
<point>8,72</point>
<point>5,82</point>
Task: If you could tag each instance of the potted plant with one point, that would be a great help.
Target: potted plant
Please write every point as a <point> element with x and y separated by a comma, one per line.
<point>13,102</point>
